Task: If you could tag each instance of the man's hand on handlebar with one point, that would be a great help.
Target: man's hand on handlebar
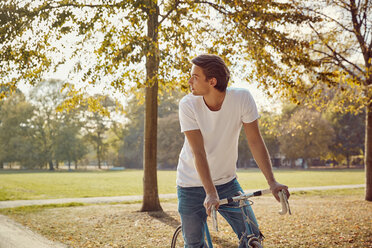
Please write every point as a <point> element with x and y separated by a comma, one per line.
<point>211,200</point>
<point>276,187</point>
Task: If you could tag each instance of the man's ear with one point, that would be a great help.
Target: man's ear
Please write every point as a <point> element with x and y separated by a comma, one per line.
<point>213,81</point>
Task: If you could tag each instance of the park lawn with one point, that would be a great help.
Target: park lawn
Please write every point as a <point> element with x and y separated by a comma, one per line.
<point>27,185</point>
<point>302,178</point>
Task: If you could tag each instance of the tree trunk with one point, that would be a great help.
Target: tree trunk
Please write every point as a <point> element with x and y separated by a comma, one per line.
<point>51,167</point>
<point>98,155</point>
<point>303,163</point>
<point>1,165</point>
<point>150,184</point>
<point>368,152</point>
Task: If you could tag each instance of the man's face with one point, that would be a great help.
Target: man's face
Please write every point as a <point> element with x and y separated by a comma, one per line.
<point>199,85</point>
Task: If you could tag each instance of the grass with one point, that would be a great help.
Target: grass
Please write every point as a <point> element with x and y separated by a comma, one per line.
<point>47,185</point>
<point>302,178</point>
<point>27,185</point>
<point>330,193</point>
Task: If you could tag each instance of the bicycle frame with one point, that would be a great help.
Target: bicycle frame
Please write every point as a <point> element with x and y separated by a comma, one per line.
<point>249,234</point>
<point>242,199</point>
<point>248,222</point>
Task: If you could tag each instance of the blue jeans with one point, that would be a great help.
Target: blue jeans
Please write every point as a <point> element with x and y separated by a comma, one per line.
<point>193,214</point>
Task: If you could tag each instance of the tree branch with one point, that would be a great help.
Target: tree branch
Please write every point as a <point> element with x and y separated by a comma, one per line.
<point>334,52</point>
<point>169,12</point>
<point>339,63</point>
<point>56,6</point>
<point>330,18</point>
<point>121,4</point>
<point>342,4</point>
<point>357,25</point>
<point>217,7</point>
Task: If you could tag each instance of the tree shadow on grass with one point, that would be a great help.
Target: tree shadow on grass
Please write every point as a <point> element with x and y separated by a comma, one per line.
<point>165,218</point>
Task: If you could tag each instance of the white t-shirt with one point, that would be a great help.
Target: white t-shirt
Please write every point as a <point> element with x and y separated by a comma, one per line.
<point>220,130</point>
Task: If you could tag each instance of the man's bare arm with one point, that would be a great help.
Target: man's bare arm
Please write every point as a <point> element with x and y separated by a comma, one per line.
<point>195,139</point>
<point>262,157</point>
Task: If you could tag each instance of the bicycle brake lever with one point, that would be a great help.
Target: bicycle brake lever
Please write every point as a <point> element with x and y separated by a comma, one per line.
<point>214,218</point>
<point>284,201</point>
<point>289,209</point>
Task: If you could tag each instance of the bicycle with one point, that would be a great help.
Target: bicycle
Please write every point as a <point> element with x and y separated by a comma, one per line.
<point>248,238</point>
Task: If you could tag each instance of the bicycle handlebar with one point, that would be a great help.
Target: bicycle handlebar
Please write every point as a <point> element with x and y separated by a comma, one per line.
<point>282,196</point>
<point>244,196</point>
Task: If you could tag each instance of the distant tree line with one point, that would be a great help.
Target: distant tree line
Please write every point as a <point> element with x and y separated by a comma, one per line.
<point>35,135</point>
<point>295,133</point>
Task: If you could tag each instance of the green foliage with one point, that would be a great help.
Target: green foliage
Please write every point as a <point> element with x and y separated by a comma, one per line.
<point>97,126</point>
<point>170,138</point>
<point>46,97</point>
<point>269,127</point>
<point>115,136</point>
<point>15,131</point>
<point>56,133</point>
<point>170,141</point>
<point>349,135</point>
<point>70,145</point>
<point>244,154</point>
<point>306,135</point>
<point>33,133</point>
<point>132,147</point>
<point>343,133</point>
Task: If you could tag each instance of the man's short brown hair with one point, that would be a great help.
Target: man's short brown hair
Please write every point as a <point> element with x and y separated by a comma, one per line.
<point>213,66</point>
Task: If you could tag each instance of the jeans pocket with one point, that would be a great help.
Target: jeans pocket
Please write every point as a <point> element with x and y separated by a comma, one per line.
<point>190,200</point>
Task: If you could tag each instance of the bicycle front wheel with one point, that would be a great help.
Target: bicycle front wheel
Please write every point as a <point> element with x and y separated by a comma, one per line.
<point>177,240</point>
<point>255,244</point>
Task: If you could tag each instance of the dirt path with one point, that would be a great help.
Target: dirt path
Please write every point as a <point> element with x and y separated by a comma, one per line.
<point>14,235</point>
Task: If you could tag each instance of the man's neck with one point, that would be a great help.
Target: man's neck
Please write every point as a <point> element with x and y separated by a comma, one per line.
<point>214,100</point>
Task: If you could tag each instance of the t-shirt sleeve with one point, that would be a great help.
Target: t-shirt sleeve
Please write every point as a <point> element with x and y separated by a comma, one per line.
<point>249,108</point>
<point>187,116</point>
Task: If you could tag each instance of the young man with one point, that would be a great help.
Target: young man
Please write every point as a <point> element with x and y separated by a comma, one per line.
<point>211,119</point>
